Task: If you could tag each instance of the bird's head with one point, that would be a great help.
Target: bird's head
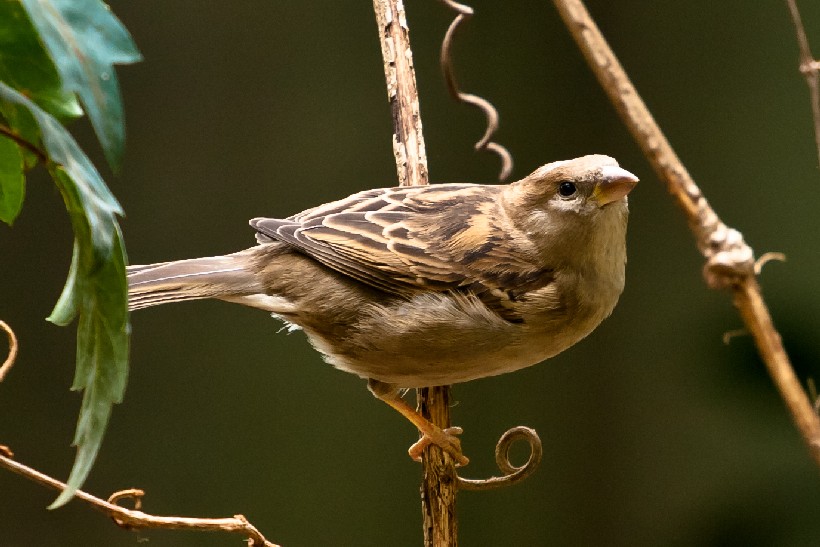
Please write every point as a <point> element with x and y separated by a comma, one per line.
<point>582,185</point>
<point>566,200</point>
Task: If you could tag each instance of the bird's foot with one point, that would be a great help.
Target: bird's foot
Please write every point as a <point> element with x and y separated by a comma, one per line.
<point>443,438</point>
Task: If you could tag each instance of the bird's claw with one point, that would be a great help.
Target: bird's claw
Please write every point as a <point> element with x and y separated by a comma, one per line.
<point>443,438</point>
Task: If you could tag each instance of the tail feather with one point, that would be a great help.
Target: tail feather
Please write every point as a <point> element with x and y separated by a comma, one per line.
<point>222,277</point>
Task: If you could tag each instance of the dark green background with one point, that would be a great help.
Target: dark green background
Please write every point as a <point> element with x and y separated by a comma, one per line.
<point>655,432</point>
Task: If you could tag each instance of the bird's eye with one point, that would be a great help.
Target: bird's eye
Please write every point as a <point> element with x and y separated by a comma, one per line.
<point>566,189</point>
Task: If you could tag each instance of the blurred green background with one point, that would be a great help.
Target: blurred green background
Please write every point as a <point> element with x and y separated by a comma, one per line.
<point>655,432</point>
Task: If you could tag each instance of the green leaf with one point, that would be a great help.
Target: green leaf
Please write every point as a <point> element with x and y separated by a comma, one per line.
<point>96,200</point>
<point>68,305</point>
<point>25,65</point>
<point>96,288</point>
<point>98,292</point>
<point>85,40</point>
<point>12,182</point>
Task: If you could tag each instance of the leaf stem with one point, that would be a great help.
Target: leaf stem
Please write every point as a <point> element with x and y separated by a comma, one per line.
<point>31,147</point>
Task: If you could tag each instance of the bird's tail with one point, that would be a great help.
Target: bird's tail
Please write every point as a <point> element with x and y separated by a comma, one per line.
<point>222,277</point>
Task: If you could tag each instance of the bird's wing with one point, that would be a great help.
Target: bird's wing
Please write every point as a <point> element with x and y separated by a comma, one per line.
<point>407,239</point>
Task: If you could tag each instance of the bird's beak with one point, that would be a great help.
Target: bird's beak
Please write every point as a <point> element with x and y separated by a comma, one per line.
<point>615,184</point>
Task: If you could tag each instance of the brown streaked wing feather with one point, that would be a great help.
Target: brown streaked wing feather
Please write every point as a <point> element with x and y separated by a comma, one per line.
<point>293,234</point>
<point>402,240</point>
<point>363,236</point>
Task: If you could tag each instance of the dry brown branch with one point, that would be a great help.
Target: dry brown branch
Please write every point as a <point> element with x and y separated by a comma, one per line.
<point>135,519</point>
<point>408,140</point>
<point>464,13</point>
<point>9,362</point>
<point>440,482</point>
<point>809,67</point>
<point>729,261</point>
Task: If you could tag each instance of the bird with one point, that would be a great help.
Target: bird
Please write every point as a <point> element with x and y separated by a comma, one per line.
<point>419,286</point>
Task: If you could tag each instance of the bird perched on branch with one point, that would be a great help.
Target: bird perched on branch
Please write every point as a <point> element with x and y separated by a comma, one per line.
<point>430,285</point>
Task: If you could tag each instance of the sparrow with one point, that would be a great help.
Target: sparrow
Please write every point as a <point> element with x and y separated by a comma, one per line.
<point>419,286</point>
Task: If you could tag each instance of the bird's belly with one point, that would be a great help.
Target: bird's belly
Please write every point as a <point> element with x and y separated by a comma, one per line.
<point>432,364</point>
<point>439,339</point>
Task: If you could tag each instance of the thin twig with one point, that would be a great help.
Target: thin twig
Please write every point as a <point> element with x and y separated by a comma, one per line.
<point>484,144</point>
<point>809,67</point>
<point>133,519</point>
<point>729,261</point>
<point>9,362</point>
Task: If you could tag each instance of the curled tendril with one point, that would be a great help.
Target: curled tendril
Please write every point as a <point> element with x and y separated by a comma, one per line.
<point>767,257</point>
<point>131,493</point>
<point>464,13</point>
<point>7,364</point>
<point>730,334</point>
<point>512,474</point>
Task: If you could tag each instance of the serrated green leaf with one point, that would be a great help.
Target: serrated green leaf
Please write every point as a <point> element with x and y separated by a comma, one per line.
<point>96,289</point>
<point>12,181</point>
<point>85,40</point>
<point>25,65</point>
<point>98,293</point>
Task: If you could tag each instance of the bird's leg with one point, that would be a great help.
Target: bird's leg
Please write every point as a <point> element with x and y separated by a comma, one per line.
<point>431,434</point>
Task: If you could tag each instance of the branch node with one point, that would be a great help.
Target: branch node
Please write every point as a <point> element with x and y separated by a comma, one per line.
<point>810,67</point>
<point>512,474</point>
<point>728,258</point>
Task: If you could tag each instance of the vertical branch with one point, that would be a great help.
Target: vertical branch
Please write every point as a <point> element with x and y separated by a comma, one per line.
<point>408,141</point>
<point>439,486</point>
<point>439,483</point>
